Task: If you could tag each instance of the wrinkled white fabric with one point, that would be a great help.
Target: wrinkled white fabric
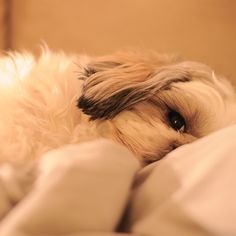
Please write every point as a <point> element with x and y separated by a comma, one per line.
<point>191,191</point>
<point>80,188</point>
<point>98,188</point>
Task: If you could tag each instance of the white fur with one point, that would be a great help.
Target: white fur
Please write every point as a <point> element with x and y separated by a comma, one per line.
<point>38,105</point>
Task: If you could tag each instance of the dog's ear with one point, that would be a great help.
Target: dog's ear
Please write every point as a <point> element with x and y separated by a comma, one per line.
<point>115,85</point>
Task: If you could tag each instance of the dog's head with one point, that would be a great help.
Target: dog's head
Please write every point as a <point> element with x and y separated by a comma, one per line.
<point>153,104</point>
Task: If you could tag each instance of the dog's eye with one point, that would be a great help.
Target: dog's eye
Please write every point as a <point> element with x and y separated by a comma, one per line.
<point>176,121</point>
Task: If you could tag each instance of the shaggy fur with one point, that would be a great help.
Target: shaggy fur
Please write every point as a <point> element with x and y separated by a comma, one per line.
<point>60,99</point>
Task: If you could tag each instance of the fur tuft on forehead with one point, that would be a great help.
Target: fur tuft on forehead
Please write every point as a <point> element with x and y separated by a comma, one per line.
<point>107,93</point>
<point>119,82</point>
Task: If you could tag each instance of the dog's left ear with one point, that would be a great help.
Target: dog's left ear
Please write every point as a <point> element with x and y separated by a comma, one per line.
<point>115,86</point>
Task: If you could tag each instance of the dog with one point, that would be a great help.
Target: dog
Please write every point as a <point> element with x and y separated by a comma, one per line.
<point>148,102</point>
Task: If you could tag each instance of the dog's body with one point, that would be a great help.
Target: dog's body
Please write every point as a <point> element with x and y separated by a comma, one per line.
<point>151,104</point>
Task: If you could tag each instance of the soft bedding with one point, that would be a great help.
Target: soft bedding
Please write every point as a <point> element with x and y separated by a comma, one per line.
<point>98,188</point>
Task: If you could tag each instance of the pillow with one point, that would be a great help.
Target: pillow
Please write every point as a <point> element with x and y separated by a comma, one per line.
<point>189,192</point>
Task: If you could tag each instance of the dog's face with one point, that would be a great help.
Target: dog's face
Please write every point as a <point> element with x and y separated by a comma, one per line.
<point>154,104</point>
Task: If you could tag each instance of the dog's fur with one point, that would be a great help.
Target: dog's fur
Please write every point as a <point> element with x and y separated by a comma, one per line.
<point>59,99</point>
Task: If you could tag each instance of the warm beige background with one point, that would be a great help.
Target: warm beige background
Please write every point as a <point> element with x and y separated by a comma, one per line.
<point>2,24</point>
<point>203,30</point>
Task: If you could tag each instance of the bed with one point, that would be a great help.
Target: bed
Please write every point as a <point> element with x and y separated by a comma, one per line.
<point>99,189</point>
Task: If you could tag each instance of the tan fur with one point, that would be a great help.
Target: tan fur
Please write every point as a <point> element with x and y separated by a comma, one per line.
<point>124,97</point>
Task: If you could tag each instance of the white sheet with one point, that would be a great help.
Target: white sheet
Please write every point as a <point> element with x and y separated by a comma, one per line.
<point>190,192</point>
<point>98,188</point>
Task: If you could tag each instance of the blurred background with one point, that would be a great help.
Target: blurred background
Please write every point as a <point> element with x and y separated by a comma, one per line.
<point>202,30</point>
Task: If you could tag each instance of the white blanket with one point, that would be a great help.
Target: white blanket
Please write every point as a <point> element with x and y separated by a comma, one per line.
<point>98,188</point>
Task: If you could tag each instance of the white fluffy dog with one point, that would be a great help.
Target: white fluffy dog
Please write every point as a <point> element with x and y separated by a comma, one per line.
<point>149,103</point>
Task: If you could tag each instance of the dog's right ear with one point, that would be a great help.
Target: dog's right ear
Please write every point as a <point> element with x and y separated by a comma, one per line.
<point>116,85</point>
<point>110,86</point>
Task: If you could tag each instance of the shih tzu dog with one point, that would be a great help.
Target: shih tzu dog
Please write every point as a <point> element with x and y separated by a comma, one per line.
<point>150,103</point>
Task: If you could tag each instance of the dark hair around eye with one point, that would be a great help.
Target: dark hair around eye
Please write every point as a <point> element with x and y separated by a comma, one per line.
<point>176,121</point>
